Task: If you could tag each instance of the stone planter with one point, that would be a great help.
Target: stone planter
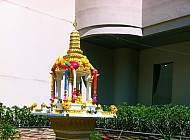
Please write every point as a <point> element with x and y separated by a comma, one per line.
<point>72,127</point>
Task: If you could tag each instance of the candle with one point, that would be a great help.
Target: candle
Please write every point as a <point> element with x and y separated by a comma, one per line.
<point>74,85</point>
<point>52,83</point>
<point>95,86</point>
<point>66,79</point>
<point>95,80</point>
<point>52,87</point>
<point>65,85</point>
<point>74,77</point>
<point>52,98</point>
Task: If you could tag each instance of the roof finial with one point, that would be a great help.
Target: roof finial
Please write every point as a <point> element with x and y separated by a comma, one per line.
<point>75,23</point>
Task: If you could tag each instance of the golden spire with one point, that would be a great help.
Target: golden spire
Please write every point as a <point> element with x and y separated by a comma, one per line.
<point>74,53</point>
<point>75,23</point>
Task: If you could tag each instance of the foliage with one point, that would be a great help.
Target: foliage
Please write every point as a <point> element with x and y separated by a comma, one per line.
<point>21,117</point>
<point>7,131</point>
<point>169,120</point>
<point>14,117</point>
<point>94,135</point>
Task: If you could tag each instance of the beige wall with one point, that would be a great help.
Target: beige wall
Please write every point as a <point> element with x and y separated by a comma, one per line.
<point>102,59</point>
<point>118,70</point>
<point>158,11</point>
<point>126,74</point>
<point>32,35</point>
<point>109,16</point>
<point>125,66</point>
<point>179,54</point>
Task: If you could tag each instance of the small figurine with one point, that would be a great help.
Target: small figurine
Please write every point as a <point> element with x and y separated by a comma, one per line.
<point>34,105</point>
<point>86,64</point>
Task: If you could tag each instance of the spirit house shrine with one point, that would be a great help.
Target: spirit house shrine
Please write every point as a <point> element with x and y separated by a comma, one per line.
<point>73,85</point>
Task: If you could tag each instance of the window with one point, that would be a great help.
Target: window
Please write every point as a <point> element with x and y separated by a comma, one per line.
<point>162,84</point>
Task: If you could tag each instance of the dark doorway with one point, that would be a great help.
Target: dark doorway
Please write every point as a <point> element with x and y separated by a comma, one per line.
<point>162,84</point>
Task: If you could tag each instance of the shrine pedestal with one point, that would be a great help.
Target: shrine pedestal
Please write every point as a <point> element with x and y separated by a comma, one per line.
<point>72,128</point>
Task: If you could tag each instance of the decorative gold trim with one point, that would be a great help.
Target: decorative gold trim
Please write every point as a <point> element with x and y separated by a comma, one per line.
<point>73,123</point>
<point>38,110</point>
<point>106,113</point>
<point>75,111</point>
<point>58,111</point>
<point>90,81</point>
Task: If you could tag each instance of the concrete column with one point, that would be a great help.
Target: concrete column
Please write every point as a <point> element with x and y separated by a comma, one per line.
<point>58,89</point>
<point>83,90</point>
<point>70,81</point>
<point>125,79</point>
<point>88,89</point>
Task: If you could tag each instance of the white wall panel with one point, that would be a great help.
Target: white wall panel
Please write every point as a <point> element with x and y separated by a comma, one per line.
<point>32,35</point>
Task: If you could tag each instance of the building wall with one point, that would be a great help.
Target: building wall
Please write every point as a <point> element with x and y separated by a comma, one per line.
<point>123,17</point>
<point>155,12</point>
<point>179,54</point>
<point>118,70</point>
<point>32,35</point>
<point>102,59</point>
<point>125,73</point>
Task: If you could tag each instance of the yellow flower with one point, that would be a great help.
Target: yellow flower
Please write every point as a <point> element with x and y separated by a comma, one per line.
<point>57,62</point>
<point>61,60</point>
<point>86,64</point>
<point>113,109</point>
<point>66,106</point>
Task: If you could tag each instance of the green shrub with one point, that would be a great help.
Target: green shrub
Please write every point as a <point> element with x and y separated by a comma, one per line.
<point>8,131</point>
<point>13,117</point>
<point>168,120</point>
<point>94,135</point>
<point>21,117</point>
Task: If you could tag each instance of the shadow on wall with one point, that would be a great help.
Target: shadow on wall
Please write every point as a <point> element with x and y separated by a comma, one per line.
<point>102,59</point>
<point>118,70</point>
